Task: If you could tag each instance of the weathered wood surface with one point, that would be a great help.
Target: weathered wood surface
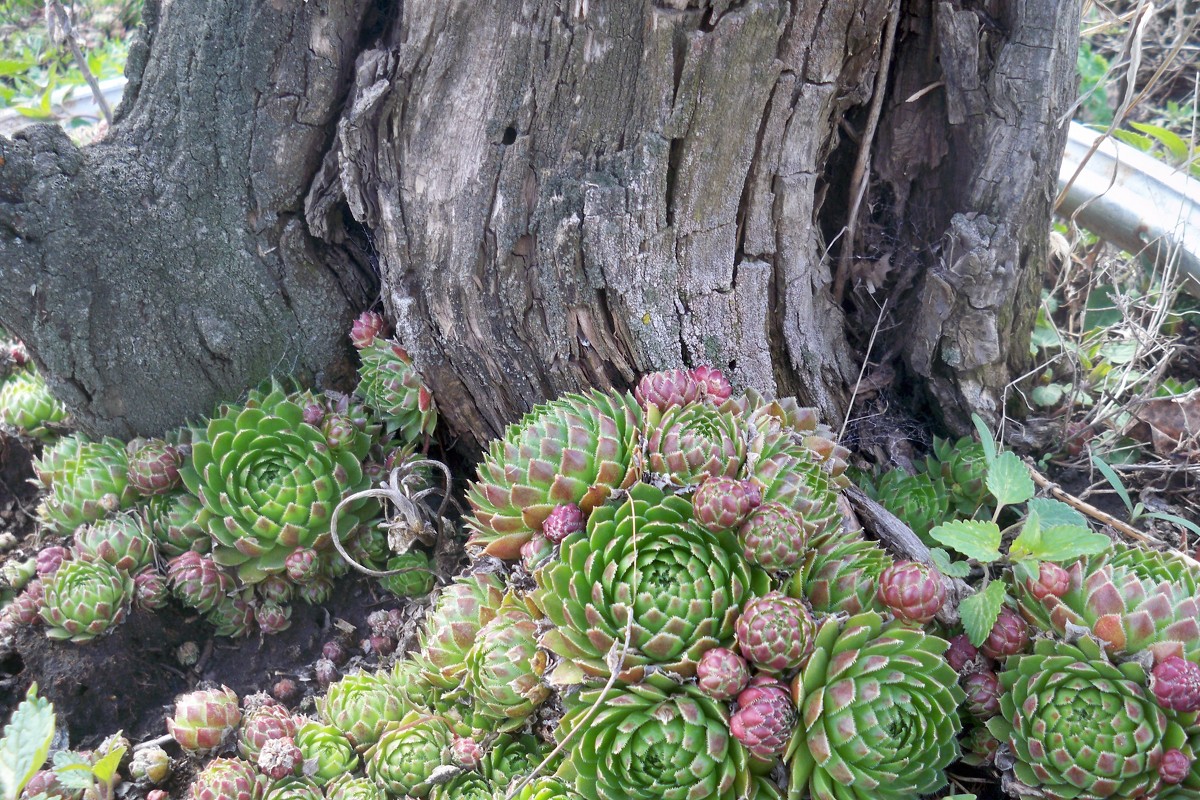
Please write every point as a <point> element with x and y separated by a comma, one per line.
<point>169,267</point>
<point>556,194</point>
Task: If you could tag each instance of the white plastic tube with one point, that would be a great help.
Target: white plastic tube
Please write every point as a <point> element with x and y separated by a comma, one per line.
<point>1132,200</point>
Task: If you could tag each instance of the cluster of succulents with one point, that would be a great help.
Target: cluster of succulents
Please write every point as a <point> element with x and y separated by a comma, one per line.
<point>948,483</point>
<point>664,600</point>
<point>231,517</point>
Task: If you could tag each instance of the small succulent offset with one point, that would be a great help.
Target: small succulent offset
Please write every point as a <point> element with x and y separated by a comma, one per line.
<point>361,704</point>
<point>83,599</point>
<point>505,667</point>
<point>27,405</point>
<point>87,481</point>
<point>203,719</point>
<point>390,385</point>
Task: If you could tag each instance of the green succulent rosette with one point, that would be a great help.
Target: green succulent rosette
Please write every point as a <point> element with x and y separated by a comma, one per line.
<point>123,540</point>
<point>841,573</point>
<point>466,786</point>
<point>1081,727</point>
<point>1131,599</point>
<point>643,559</point>
<point>408,753</point>
<point>961,468</point>
<point>27,405</point>
<point>878,709</point>
<point>349,787</point>
<point>657,740</point>
<point>390,386</point>
<point>918,500</point>
<point>179,523</point>
<point>361,704</point>
<point>87,481</point>
<point>577,449</point>
<point>792,474</point>
<point>694,442</point>
<point>83,599</point>
<point>417,578</point>
<point>294,789</point>
<point>511,758</point>
<point>505,666</point>
<point>270,482</point>
<point>545,788</point>
<point>461,609</point>
<point>327,749</point>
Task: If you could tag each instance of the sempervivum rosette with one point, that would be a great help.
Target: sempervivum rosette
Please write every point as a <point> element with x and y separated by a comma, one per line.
<point>576,449</point>
<point>655,740</point>
<point>878,708</point>
<point>87,481</point>
<point>962,469</point>
<point>83,599</point>
<point>1081,727</point>
<point>682,585</point>
<point>27,405</point>
<point>791,474</point>
<point>466,786</point>
<point>228,779</point>
<point>270,482</point>
<point>408,753</point>
<point>505,666</point>
<point>694,442</point>
<point>391,386</point>
<point>123,540</point>
<point>841,573</point>
<point>1131,599</point>
<point>462,608</point>
<point>361,704</point>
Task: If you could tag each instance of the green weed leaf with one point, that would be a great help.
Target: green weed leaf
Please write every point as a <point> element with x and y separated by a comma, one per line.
<point>1055,512</point>
<point>1008,479</point>
<point>980,611</point>
<point>977,539</point>
<point>26,742</point>
<point>953,569</point>
<point>1114,480</point>
<point>985,438</point>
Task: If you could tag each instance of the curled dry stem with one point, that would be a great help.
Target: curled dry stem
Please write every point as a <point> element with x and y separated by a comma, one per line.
<point>406,518</point>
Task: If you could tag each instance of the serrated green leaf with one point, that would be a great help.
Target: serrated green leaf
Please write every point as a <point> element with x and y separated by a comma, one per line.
<point>74,775</point>
<point>26,742</point>
<point>1029,541</point>
<point>1008,479</point>
<point>953,569</point>
<point>977,539</point>
<point>1055,512</point>
<point>1070,542</point>
<point>106,768</point>
<point>980,611</point>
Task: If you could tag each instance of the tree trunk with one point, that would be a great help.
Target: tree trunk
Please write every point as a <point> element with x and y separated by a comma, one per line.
<point>559,193</point>
<point>169,267</point>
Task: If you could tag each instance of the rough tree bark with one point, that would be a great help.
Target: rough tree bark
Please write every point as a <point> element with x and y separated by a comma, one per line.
<point>558,193</point>
<point>169,267</point>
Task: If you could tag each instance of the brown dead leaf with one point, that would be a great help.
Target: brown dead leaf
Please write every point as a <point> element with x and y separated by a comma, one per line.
<point>1170,424</point>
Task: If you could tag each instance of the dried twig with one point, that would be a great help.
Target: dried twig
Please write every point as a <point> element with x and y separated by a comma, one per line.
<point>69,35</point>
<point>1086,508</point>
<point>861,175</point>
